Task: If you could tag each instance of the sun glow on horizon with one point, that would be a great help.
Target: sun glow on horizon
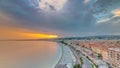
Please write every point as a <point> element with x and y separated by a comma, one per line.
<point>15,33</point>
<point>34,35</point>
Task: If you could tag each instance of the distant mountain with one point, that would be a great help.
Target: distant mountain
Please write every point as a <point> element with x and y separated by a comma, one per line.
<point>104,37</point>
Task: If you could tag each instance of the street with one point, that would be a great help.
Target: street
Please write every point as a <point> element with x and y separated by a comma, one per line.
<point>76,56</point>
<point>86,63</point>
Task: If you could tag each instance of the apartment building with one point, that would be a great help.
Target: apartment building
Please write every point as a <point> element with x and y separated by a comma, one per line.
<point>114,57</point>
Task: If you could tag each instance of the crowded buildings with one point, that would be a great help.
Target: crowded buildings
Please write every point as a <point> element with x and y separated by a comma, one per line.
<point>108,50</point>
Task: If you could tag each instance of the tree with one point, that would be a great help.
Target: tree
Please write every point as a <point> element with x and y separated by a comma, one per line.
<point>100,56</point>
<point>77,66</point>
<point>81,60</point>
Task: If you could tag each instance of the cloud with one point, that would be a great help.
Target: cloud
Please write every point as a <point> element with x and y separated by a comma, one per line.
<point>51,5</point>
<point>71,17</point>
<point>86,1</point>
<point>104,20</point>
<point>115,15</point>
<point>106,12</point>
<point>116,12</point>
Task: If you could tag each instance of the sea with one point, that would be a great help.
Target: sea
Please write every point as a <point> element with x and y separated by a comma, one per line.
<point>29,54</point>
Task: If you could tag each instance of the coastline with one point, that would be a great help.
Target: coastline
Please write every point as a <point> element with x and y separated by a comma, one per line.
<point>56,66</point>
<point>67,58</point>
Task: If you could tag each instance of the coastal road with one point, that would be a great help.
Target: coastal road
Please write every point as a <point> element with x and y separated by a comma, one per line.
<point>86,63</point>
<point>76,56</point>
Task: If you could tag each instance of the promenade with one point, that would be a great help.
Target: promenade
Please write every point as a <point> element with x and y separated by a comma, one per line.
<point>67,59</point>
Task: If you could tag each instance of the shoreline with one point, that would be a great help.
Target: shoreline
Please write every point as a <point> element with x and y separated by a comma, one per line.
<point>67,58</point>
<point>60,57</point>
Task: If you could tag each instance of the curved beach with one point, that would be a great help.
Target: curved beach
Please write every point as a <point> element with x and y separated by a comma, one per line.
<point>56,66</point>
<point>67,58</point>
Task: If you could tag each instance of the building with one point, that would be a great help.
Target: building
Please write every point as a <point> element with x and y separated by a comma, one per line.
<point>108,50</point>
<point>114,57</point>
<point>104,53</point>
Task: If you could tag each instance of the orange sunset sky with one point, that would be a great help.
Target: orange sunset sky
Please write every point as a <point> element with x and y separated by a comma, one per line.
<point>15,33</point>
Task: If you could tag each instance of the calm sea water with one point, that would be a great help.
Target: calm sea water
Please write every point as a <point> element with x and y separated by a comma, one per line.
<point>29,54</point>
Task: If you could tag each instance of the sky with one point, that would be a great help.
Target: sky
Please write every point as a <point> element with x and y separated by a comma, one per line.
<point>58,18</point>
